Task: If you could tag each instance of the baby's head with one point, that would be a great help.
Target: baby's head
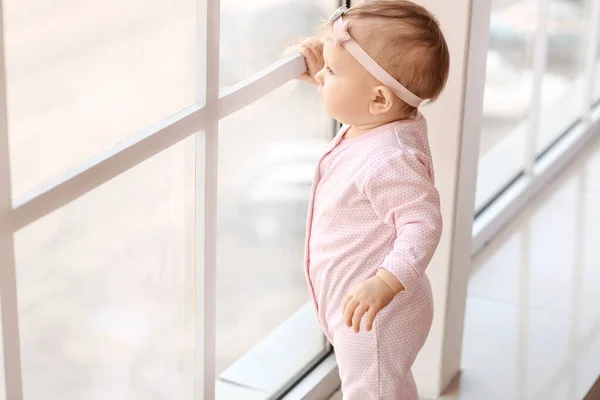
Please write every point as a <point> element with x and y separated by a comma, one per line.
<point>405,40</point>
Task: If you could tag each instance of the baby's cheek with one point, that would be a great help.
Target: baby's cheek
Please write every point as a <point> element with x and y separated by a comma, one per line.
<point>334,95</point>
<point>335,100</point>
<point>332,104</point>
<point>344,101</point>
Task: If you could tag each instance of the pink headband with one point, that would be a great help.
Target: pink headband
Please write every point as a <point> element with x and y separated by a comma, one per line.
<point>341,35</point>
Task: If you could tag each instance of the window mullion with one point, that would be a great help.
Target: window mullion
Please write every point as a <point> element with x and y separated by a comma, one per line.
<point>8,282</point>
<point>206,210</point>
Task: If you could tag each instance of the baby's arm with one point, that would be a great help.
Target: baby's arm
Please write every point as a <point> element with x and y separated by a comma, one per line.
<point>403,196</point>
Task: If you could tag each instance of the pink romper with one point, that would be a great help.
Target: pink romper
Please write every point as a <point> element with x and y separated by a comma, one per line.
<point>374,205</point>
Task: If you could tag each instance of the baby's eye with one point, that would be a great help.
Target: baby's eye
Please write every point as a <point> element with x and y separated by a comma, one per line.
<point>329,71</point>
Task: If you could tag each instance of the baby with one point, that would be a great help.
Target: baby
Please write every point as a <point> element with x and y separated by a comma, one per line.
<point>374,218</point>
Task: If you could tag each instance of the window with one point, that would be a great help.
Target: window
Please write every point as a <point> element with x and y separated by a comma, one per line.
<point>83,75</point>
<point>563,84</point>
<point>254,34</point>
<point>267,158</point>
<point>123,273</point>
<point>106,288</point>
<point>508,97</point>
<point>535,89</point>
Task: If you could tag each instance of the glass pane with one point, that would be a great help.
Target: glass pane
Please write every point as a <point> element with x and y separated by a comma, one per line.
<point>596,94</point>
<point>255,34</point>
<point>563,88</point>
<point>267,157</point>
<point>84,75</point>
<point>106,288</point>
<point>507,98</point>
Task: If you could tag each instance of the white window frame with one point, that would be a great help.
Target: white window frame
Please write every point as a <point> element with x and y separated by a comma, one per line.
<point>199,120</point>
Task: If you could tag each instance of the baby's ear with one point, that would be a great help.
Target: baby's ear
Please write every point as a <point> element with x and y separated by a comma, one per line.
<point>383,100</point>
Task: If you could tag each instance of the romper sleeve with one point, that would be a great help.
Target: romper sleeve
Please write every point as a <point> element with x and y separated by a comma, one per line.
<point>403,195</point>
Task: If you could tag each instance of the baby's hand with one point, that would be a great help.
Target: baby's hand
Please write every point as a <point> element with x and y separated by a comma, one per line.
<point>312,50</point>
<point>369,298</point>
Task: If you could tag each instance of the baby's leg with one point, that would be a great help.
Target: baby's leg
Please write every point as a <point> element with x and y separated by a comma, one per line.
<point>368,374</point>
<point>376,365</point>
<point>358,364</point>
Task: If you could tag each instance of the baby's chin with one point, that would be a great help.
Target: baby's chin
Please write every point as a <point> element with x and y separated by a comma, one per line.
<point>333,113</point>
<point>343,118</point>
<point>328,111</point>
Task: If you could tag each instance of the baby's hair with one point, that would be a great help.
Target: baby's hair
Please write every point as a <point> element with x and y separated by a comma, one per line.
<point>407,41</point>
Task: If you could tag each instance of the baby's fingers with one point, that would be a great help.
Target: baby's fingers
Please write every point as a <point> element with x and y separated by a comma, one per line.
<point>345,302</point>
<point>309,58</point>
<point>358,314</point>
<point>315,48</point>
<point>313,63</point>
<point>370,317</point>
<point>349,311</point>
<point>313,43</point>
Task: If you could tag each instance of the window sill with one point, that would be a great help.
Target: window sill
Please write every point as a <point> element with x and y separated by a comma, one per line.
<point>287,353</point>
<point>226,391</point>
<point>320,384</point>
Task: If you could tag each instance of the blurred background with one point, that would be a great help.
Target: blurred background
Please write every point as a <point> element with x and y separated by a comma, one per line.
<point>107,283</point>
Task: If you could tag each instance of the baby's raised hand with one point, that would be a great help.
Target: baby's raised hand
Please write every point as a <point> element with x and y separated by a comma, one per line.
<point>367,299</point>
<point>312,50</point>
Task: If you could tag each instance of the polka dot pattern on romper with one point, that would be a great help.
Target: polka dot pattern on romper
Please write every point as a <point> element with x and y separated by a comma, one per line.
<point>374,205</point>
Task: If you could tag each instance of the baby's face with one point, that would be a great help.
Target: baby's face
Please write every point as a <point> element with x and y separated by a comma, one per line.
<point>346,88</point>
